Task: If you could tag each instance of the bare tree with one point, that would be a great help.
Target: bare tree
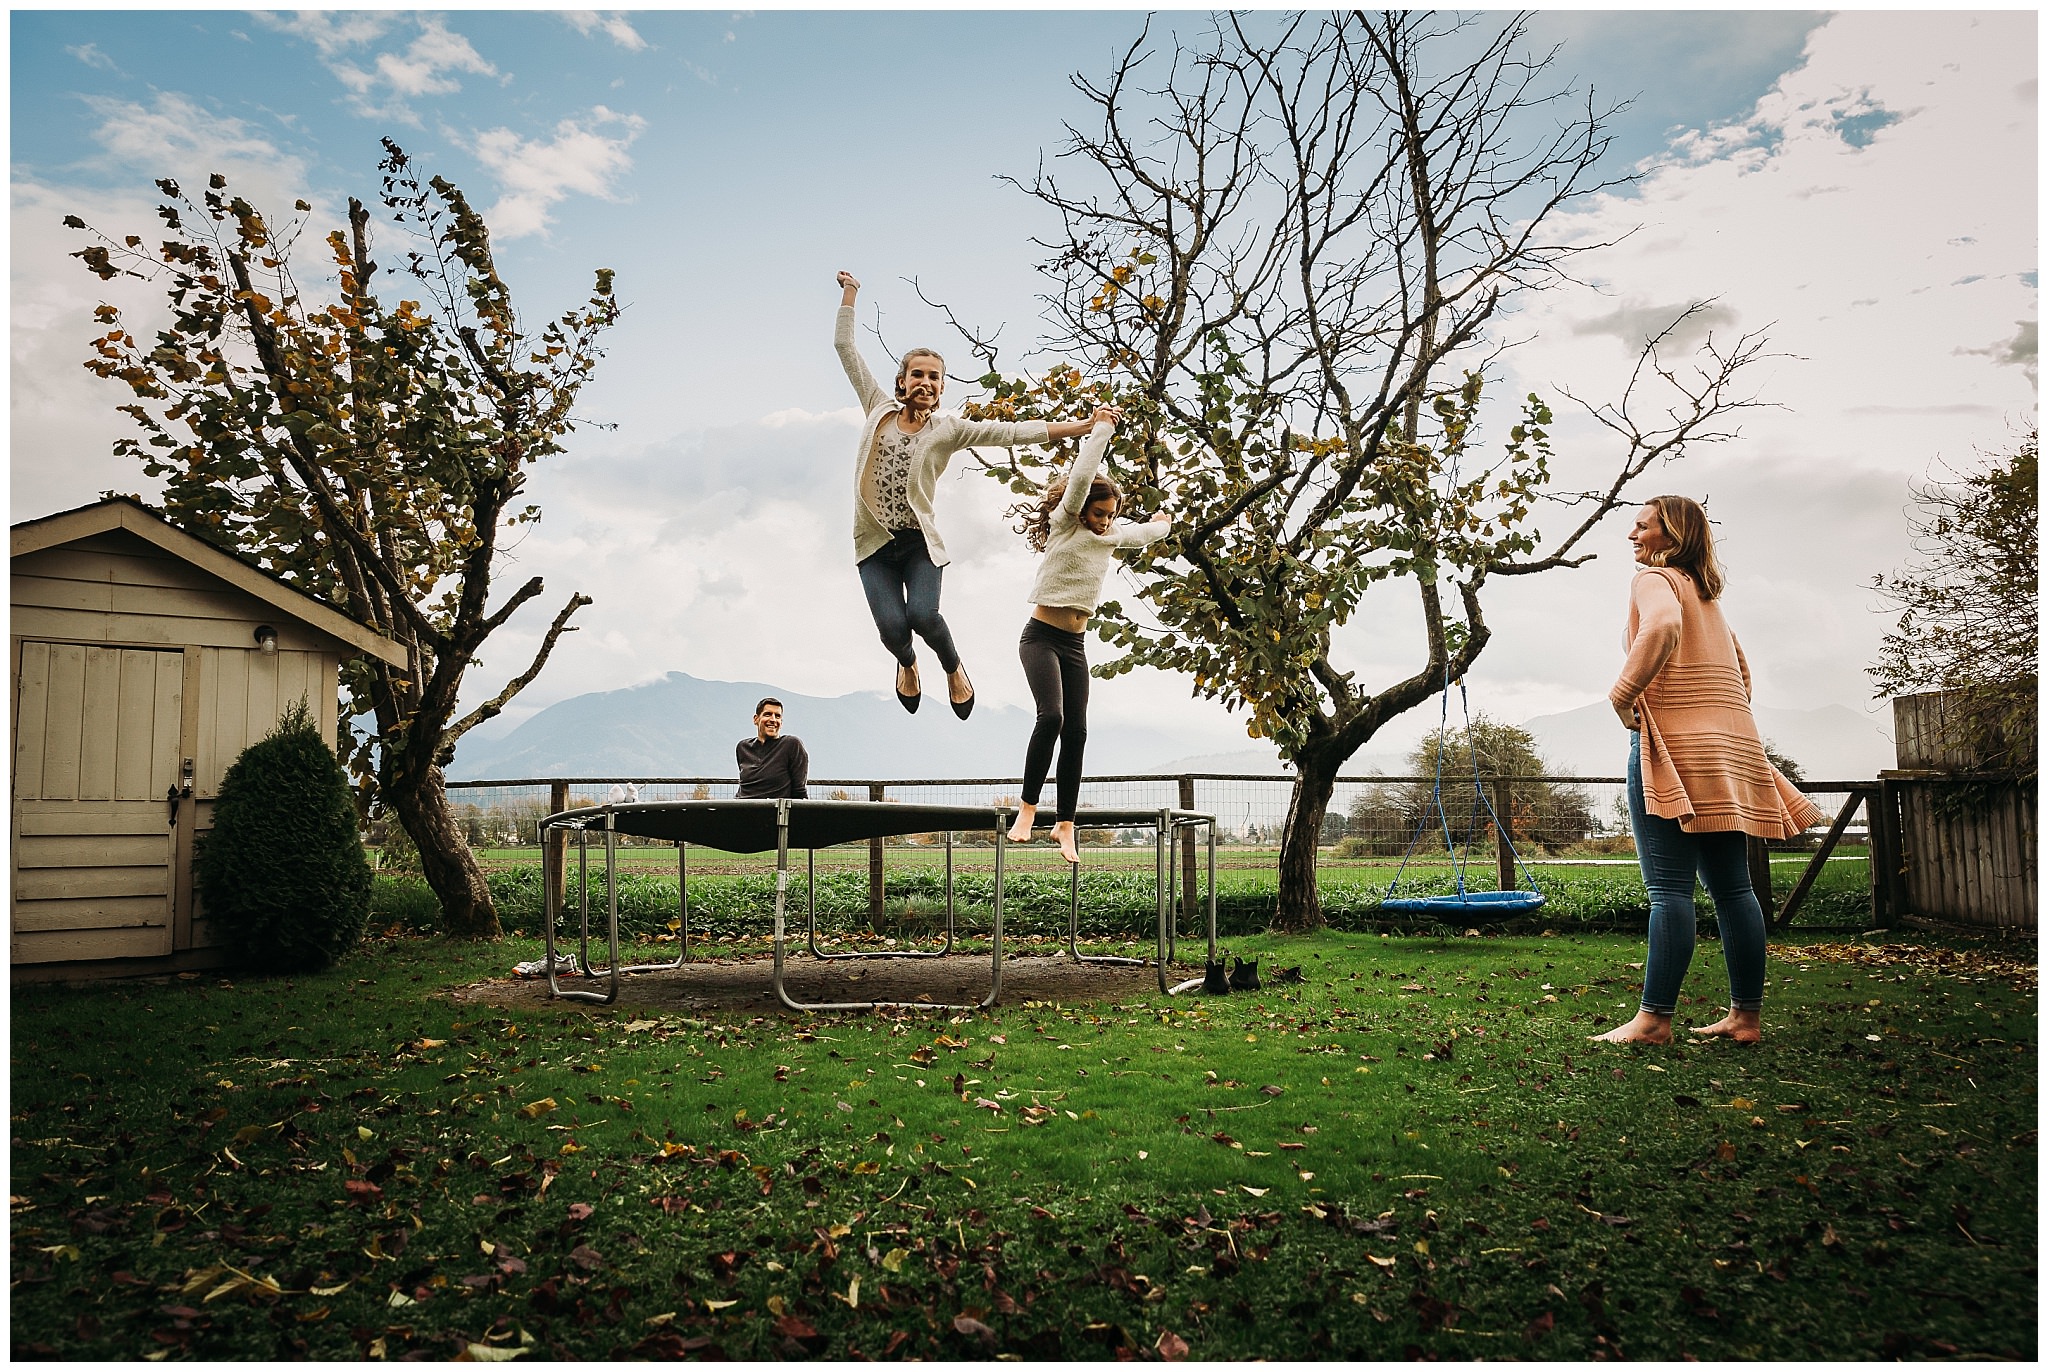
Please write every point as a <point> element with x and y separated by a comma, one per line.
<point>1291,247</point>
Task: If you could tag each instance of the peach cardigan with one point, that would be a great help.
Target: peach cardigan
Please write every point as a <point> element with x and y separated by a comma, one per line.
<point>1703,762</point>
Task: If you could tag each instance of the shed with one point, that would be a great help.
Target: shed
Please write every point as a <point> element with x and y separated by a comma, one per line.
<point>143,661</point>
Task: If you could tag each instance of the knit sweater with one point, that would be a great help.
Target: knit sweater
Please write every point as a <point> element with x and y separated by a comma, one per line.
<point>1076,557</point>
<point>772,768</point>
<point>1703,762</point>
<point>944,433</point>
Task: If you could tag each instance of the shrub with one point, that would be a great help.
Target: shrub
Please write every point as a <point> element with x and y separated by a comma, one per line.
<point>283,873</point>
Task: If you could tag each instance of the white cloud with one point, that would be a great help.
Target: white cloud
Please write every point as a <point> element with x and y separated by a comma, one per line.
<point>179,137</point>
<point>1875,214</point>
<point>612,23</point>
<point>581,159</point>
<point>380,86</point>
<point>90,54</point>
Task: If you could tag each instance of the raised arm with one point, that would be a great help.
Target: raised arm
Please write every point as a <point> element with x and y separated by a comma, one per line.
<point>1086,464</point>
<point>1143,535</point>
<point>864,387</point>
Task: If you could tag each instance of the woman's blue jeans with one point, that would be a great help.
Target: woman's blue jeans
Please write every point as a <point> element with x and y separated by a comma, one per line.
<point>1671,858</point>
<point>902,586</point>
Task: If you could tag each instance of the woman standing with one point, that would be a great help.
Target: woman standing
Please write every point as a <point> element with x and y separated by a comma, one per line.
<point>1698,780</point>
<point>905,443</point>
<point>1074,525</point>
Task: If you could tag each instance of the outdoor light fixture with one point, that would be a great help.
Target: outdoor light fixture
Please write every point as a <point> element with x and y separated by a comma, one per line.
<point>266,640</point>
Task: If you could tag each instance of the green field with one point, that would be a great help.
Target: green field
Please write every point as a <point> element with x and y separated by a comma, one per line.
<point>733,895</point>
<point>1413,1153</point>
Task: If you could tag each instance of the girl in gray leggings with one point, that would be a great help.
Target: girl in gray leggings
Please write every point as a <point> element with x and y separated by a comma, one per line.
<point>1074,525</point>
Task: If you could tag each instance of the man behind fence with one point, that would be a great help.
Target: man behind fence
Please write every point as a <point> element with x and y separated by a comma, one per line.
<point>773,765</point>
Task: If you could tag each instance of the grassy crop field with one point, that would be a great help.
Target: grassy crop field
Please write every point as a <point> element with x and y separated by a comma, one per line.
<point>1413,1152</point>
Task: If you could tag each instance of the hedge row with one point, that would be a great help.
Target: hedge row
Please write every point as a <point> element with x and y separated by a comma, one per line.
<point>1114,905</point>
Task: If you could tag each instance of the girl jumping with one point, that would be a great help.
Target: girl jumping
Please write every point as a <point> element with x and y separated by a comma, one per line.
<point>1074,525</point>
<point>905,443</point>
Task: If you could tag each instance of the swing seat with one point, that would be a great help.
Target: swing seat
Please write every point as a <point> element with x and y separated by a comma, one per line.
<point>1474,902</point>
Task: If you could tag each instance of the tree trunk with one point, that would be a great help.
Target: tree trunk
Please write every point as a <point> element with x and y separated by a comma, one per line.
<point>1301,903</point>
<point>445,860</point>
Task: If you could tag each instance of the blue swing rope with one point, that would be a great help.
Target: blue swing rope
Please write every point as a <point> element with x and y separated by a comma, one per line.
<point>1529,899</point>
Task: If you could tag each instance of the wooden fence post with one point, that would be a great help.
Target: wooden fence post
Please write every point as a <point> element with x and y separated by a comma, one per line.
<point>1189,905</point>
<point>876,792</point>
<point>1888,876</point>
<point>558,801</point>
<point>1759,852</point>
<point>1503,843</point>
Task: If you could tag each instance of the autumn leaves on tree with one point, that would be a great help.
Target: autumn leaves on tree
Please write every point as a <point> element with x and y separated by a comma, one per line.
<point>370,454</point>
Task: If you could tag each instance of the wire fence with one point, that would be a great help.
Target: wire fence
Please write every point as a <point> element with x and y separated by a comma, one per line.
<point>1371,825</point>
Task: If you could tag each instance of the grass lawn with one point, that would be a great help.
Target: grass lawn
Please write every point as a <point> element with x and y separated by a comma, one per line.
<point>1413,1152</point>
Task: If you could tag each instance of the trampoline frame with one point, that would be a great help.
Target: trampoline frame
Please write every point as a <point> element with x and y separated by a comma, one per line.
<point>1166,823</point>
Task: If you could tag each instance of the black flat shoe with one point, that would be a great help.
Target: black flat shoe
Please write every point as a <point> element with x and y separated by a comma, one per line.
<point>962,708</point>
<point>910,702</point>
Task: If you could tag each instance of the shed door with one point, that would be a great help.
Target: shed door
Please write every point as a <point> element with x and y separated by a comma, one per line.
<point>96,748</point>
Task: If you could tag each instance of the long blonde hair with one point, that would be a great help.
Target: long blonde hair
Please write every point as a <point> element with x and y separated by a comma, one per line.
<point>1035,516</point>
<point>1692,542</point>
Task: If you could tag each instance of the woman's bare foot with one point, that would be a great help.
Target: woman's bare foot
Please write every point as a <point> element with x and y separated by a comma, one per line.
<point>1063,834</point>
<point>1020,832</point>
<point>1644,1028</point>
<point>1742,1026</point>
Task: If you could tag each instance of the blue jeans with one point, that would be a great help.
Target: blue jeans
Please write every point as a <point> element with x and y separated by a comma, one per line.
<point>902,586</point>
<point>1670,858</point>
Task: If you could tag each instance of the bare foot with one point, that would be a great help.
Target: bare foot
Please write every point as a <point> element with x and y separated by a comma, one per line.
<point>1644,1028</point>
<point>959,689</point>
<point>1020,832</point>
<point>1063,834</point>
<point>1740,1026</point>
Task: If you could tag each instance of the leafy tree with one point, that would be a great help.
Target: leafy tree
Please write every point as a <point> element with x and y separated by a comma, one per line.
<point>1542,813</point>
<point>283,873</point>
<point>1969,611</point>
<point>366,453</point>
<point>1290,248</point>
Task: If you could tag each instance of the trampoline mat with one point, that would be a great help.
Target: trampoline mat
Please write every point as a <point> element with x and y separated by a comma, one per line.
<point>748,826</point>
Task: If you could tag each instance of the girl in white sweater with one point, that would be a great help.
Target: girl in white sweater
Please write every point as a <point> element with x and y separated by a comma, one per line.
<point>1074,525</point>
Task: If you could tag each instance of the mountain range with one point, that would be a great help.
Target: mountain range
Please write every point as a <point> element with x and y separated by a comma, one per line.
<point>680,725</point>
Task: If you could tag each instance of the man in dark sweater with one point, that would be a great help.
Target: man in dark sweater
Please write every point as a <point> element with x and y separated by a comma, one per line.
<point>772,764</point>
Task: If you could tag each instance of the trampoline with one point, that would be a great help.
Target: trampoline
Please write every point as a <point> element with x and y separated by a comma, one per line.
<point>756,826</point>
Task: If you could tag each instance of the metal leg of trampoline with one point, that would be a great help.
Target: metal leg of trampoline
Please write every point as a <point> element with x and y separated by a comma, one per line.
<point>1166,924</point>
<point>939,952</point>
<point>611,993</point>
<point>1212,888</point>
<point>781,904</point>
<point>682,924</point>
<point>1074,928</point>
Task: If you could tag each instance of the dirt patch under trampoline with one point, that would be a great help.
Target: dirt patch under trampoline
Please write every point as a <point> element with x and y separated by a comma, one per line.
<point>747,983</point>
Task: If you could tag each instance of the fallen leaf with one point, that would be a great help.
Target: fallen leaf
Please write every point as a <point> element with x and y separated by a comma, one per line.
<point>534,1110</point>
<point>1254,1190</point>
<point>1171,1346</point>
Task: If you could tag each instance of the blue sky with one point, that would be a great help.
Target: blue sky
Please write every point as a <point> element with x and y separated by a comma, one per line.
<point>727,164</point>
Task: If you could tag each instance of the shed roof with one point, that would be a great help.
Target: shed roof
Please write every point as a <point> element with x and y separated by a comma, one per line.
<point>130,514</point>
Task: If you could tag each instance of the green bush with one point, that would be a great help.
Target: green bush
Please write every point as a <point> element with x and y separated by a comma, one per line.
<point>283,874</point>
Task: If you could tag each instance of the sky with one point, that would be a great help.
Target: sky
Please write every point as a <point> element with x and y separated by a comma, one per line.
<point>1860,186</point>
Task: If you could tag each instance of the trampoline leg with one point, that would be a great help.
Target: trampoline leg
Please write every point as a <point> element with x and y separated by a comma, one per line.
<point>551,910</point>
<point>682,900</point>
<point>811,903</point>
<point>947,947</point>
<point>1212,889</point>
<point>995,968</point>
<point>1161,833</point>
<point>1074,911</point>
<point>781,894</point>
<point>583,896</point>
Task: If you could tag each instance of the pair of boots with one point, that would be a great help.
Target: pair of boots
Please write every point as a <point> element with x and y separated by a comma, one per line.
<point>1243,976</point>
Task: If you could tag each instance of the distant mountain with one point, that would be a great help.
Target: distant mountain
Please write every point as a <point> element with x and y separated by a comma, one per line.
<point>1833,743</point>
<point>683,726</point>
